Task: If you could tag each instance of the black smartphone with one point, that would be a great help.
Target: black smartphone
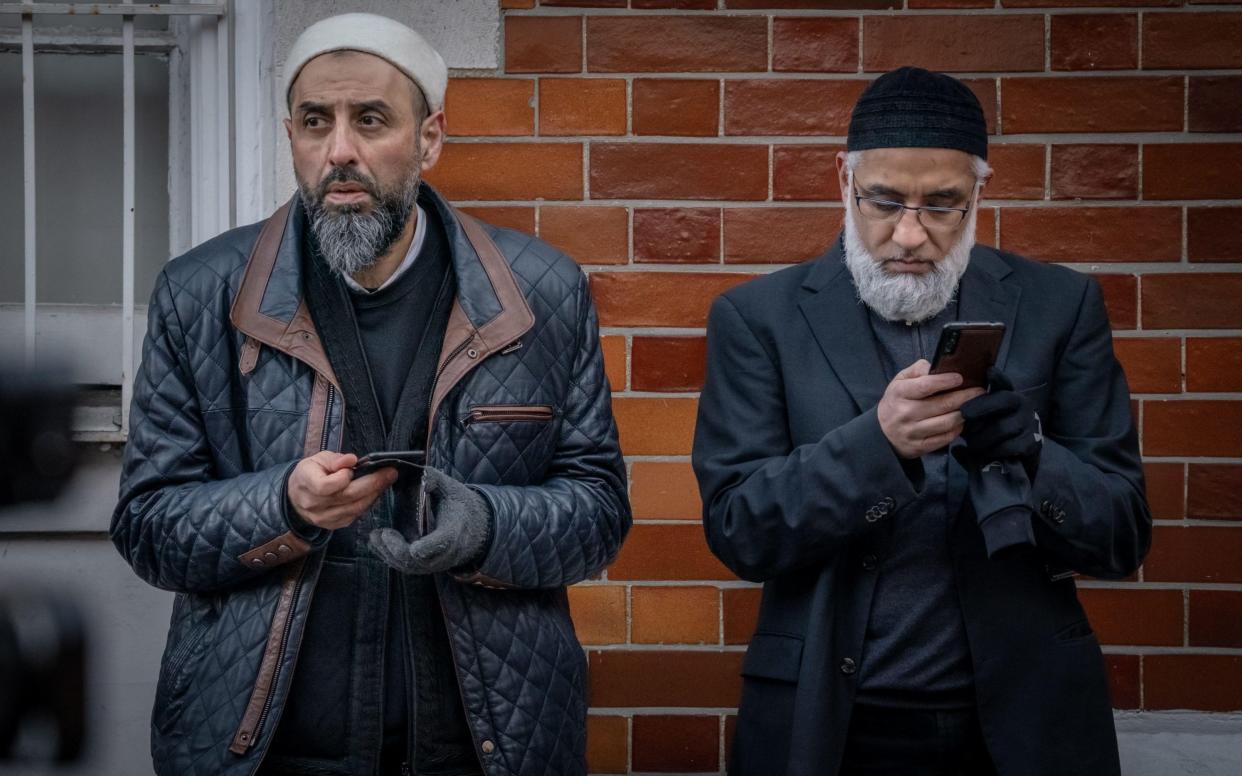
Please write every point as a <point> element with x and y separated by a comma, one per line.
<point>968,348</point>
<point>372,462</point>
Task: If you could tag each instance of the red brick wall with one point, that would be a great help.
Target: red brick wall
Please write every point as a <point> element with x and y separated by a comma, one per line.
<point>678,147</point>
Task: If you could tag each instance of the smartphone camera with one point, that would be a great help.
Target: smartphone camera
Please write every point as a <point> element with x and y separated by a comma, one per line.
<point>950,342</point>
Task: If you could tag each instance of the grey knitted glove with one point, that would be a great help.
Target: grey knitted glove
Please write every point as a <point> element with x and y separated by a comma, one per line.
<point>461,530</point>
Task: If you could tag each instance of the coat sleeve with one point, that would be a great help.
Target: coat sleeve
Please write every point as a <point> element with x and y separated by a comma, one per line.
<point>769,507</point>
<point>570,526</point>
<point>177,525</point>
<point>1091,512</point>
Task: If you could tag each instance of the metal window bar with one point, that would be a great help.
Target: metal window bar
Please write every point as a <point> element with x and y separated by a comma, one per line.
<point>127,11</point>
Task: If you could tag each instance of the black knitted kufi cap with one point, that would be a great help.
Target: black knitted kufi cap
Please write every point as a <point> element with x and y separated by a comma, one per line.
<point>913,108</point>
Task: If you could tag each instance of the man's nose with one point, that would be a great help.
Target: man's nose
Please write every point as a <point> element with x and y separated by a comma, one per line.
<point>343,148</point>
<point>909,233</point>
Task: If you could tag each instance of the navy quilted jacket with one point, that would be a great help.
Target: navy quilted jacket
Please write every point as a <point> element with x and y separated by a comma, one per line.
<point>235,387</point>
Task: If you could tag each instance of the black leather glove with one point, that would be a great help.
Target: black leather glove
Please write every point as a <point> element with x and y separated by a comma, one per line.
<point>460,525</point>
<point>1001,425</point>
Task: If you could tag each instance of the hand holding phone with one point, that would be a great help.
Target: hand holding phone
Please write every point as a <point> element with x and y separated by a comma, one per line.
<point>969,349</point>
<point>389,458</point>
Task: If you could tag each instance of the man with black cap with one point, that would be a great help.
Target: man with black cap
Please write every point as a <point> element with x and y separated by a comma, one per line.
<point>400,616</point>
<point>916,538</point>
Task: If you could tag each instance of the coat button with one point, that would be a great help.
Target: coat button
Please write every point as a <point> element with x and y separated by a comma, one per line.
<point>888,502</point>
<point>284,549</point>
<point>472,353</point>
<point>1045,508</point>
<point>848,666</point>
<point>868,562</point>
<point>270,557</point>
<point>488,747</point>
<point>256,561</point>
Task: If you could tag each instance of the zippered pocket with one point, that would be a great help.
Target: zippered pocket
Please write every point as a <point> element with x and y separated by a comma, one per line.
<point>510,413</point>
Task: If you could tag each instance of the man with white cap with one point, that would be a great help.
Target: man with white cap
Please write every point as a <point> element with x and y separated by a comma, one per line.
<point>405,614</point>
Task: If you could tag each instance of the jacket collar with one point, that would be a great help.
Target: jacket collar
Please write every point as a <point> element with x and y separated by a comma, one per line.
<point>489,313</point>
<point>836,317</point>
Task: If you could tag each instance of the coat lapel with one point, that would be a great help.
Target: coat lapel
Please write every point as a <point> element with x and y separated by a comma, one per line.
<point>838,321</point>
<point>983,296</point>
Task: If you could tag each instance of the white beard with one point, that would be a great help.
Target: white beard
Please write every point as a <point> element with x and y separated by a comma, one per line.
<point>903,296</point>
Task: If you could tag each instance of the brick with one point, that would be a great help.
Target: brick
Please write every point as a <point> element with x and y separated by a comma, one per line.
<point>1088,3</point>
<point>677,235</point>
<point>1214,364</point>
<point>1095,171</point>
<point>490,106</point>
<point>815,5</point>
<point>678,299</point>
<point>1192,428</point>
<point>1091,104</point>
<point>1211,234</point>
<point>805,172</point>
<point>1214,491</point>
<point>1166,490</point>
<point>1192,301</point>
<point>1215,618</point>
<point>1198,682</point>
<point>598,613</point>
<point>1192,40</point>
<point>690,5</point>
<point>789,106</point>
<point>1121,299</point>
<point>516,4</point>
<point>1194,554</point>
<point>669,363</point>
<point>543,44</point>
<point>1094,42</point>
<point>664,490</point>
<point>519,218</point>
<point>1123,680</point>
<point>485,171</point>
<point>581,106</point>
<point>985,91</point>
<point>1093,233</point>
<point>920,4</point>
<point>680,744</point>
<point>676,44</point>
<point>614,360</point>
<point>650,426</point>
<point>954,43</point>
<point>741,613</point>
<point>1134,617</point>
<point>664,678</point>
<point>591,235</point>
<point>676,107</point>
<point>676,615</point>
<point>985,226</point>
<point>810,45</point>
<point>668,551</point>
<point>1201,171</point>
<point>585,3</point>
<point>1213,103</point>
<point>607,744</point>
<point>751,233</point>
<point>1019,172</point>
<point>1152,364</point>
<point>678,171</point>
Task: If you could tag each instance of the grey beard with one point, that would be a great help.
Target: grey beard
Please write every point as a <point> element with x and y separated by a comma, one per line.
<point>902,296</point>
<point>351,240</point>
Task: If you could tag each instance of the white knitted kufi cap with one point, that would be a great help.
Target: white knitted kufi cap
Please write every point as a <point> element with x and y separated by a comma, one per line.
<point>385,38</point>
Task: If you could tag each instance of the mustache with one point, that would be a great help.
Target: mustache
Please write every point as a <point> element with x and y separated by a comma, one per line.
<point>346,175</point>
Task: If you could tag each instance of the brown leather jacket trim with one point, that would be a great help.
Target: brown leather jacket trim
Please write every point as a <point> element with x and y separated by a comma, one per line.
<point>249,355</point>
<point>316,417</point>
<point>284,548</point>
<point>247,731</point>
<point>298,337</point>
<point>465,346</point>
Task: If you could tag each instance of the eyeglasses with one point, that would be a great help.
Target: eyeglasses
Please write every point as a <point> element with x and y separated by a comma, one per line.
<point>936,218</point>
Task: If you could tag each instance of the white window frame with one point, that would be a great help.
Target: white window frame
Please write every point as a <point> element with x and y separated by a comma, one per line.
<point>220,168</point>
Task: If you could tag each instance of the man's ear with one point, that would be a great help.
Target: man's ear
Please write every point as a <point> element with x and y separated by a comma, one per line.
<point>843,178</point>
<point>431,140</point>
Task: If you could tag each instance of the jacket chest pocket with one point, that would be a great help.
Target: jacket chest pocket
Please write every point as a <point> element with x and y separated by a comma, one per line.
<point>516,439</point>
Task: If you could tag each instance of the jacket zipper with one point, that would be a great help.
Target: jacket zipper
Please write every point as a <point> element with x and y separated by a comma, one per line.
<point>293,602</point>
<point>510,413</point>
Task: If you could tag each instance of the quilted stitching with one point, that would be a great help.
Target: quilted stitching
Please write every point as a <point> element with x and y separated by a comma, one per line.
<point>203,483</point>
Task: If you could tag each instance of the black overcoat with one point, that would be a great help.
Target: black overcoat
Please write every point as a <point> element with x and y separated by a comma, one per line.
<point>800,488</point>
